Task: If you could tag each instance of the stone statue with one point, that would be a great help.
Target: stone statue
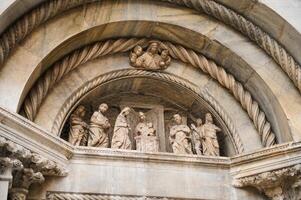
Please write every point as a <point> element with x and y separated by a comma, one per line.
<point>180,136</point>
<point>151,59</point>
<point>145,135</point>
<point>209,140</point>
<point>78,128</point>
<point>197,135</point>
<point>99,124</point>
<point>121,139</point>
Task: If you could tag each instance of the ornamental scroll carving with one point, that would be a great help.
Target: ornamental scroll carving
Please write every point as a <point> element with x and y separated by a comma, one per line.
<point>282,184</point>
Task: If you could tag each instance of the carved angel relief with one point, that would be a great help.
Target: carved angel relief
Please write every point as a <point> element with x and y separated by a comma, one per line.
<point>154,58</point>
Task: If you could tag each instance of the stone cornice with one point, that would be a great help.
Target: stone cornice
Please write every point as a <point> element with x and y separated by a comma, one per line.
<point>87,153</point>
<point>29,135</point>
<point>23,132</point>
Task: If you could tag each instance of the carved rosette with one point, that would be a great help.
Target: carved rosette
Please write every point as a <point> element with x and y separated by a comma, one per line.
<point>282,184</point>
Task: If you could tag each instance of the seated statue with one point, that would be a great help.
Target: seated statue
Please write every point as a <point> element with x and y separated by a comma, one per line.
<point>78,127</point>
<point>180,137</point>
<point>145,135</point>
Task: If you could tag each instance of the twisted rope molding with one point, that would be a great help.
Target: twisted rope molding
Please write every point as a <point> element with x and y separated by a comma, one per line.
<point>18,31</point>
<point>81,196</point>
<point>89,86</point>
<point>53,75</point>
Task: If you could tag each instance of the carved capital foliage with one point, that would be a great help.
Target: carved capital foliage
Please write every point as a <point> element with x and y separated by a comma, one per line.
<point>6,162</point>
<point>18,194</point>
<point>282,184</point>
<point>29,159</point>
<point>25,177</point>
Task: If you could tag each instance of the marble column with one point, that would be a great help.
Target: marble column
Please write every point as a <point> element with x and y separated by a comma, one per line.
<point>22,179</point>
<point>7,165</point>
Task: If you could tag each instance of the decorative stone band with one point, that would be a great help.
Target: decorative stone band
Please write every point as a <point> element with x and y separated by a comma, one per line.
<point>87,87</point>
<point>82,196</point>
<point>29,159</point>
<point>54,74</point>
<point>279,184</point>
<point>18,31</point>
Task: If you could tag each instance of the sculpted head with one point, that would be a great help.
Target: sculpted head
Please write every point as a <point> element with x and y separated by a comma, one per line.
<point>208,118</point>
<point>164,54</point>
<point>103,107</point>
<point>199,122</point>
<point>142,116</point>
<point>126,111</point>
<point>80,111</point>
<point>138,50</point>
<point>153,48</point>
<point>178,119</point>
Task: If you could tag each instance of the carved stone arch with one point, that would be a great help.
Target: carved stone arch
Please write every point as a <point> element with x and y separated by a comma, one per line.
<point>278,120</point>
<point>275,112</point>
<point>202,95</point>
<point>53,75</point>
<point>17,32</point>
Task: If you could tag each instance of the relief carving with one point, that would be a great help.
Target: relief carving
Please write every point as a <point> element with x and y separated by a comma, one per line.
<point>98,136</point>
<point>145,135</point>
<point>121,139</point>
<point>200,139</point>
<point>180,136</point>
<point>209,140</point>
<point>154,58</point>
<point>197,134</point>
<point>78,128</point>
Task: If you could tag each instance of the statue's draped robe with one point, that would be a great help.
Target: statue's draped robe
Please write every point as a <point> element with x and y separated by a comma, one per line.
<point>181,139</point>
<point>77,130</point>
<point>198,134</point>
<point>209,141</point>
<point>98,136</point>
<point>121,138</point>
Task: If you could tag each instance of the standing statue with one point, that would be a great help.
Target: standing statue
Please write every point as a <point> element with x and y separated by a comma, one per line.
<point>151,59</point>
<point>99,124</point>
<point>209,140</point>
<point>145,135</point>
<point>78,128</point>
<point>197,135</point>
<point>180,137</point>
<point>121,139</point>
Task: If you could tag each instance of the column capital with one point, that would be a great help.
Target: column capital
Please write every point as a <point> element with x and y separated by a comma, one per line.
<point>282,184</point>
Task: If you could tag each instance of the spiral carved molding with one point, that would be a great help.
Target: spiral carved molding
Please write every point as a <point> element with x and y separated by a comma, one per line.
<point>18,31</point>
<point>83,196</point>
<point>54,74</point>
<point>204,94</point>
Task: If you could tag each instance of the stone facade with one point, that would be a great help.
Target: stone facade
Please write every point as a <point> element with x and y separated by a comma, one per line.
<point>154,99</point>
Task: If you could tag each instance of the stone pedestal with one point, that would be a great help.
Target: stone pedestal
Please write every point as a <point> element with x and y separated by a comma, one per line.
<point>147,144</point>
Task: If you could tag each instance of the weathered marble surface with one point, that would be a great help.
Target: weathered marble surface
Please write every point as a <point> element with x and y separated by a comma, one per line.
<point>82,20</point>
<point>69,84</point>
